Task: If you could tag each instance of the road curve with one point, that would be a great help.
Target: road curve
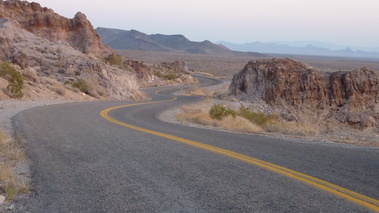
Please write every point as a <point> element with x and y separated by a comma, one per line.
<point>82,162</point>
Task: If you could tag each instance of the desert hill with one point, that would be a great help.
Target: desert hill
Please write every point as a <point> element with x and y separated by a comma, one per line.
<point>135,40</point>
<point>47,56</point>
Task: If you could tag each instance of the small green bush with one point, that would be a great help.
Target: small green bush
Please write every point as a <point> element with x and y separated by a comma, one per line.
<point>167,76</point>
<point>258,118</point>
<point>10,192</point>
<point>115,59</point>
<point>158,74</point>
<point>218,112</point>
<point>81,85</point>
<point>170,76</point>
<point>14,78</point>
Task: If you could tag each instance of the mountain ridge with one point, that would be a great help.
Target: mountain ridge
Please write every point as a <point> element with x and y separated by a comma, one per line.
<point>300,48</point>
<point>135,40</point>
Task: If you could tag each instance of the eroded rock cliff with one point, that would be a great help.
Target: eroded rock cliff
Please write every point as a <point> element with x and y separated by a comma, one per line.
<point>50,65</point>
<point>351,96</point>
<point>45,23</point>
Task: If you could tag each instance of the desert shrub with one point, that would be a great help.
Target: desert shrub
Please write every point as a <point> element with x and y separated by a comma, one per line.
<point>218,112</point>
<point>81,85</point>
<point>166,76</point>
<point>170,76</point>
<point>158,74</point>
<point>199,113</point>
<point>255,117</point>
<point>14,78</point>
<point>115,59</point>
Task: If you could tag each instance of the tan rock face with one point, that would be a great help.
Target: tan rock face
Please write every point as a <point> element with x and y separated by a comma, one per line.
<point>49,65</point>
<point>352,96</point>
<point>44,23</point>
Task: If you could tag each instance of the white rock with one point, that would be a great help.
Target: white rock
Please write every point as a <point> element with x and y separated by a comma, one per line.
<point>2,199</point>
<point>11,207</point>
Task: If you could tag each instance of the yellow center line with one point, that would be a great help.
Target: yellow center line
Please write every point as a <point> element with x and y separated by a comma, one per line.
<point>355,197</point>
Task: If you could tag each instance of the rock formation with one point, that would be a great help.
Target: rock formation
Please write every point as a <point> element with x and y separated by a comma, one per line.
<point>39,59</point>
<point>162,74</point>
<point>351,96</point>
<point>45,23</point>
<point>57,54</point>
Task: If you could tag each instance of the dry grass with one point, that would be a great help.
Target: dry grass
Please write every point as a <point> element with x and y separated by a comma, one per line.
<point>294,128</point>
<point>7,176</point>
<point>199,113</point>
<point>307,123</point>
<point>10,149</point>
<point>10,154</point>
<point>217,91</point>
<point>196,91</point>
<point>7,180</point>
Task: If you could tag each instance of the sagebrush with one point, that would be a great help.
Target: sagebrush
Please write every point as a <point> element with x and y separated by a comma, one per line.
<point>14,78</point>
<point>81,85</point>
<point>116,60</point>
<point>219,111</point>
<point>260,119</point>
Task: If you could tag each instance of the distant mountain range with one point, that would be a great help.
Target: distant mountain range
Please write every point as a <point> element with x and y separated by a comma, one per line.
<point>303,48</point>
<point>135,40</point>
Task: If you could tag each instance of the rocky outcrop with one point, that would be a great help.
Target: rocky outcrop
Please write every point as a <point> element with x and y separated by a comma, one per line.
<point>45,23</point>
<point>351,96</point>
<point>58,54</point>
<point>50,65</point>
<point>162,74</point>
<point>358,89</point>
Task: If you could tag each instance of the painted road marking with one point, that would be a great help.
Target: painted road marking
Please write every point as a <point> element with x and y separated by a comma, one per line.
<point>355,197</point>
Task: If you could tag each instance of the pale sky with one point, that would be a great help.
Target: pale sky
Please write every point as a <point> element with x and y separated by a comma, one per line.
<point>343,22</point>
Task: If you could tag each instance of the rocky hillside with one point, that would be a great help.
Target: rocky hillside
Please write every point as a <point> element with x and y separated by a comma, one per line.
<point>351,97</point>
<point>56,67</point>
<point>176,73</point>
<point>62,58</point>
<point>45,23</point>
<point>135,40</point>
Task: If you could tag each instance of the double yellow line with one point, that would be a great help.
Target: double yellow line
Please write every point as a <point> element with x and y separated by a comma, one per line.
<point>363,200</point>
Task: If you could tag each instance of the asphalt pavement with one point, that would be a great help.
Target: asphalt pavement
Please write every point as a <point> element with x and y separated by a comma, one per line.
<point>82,162</point>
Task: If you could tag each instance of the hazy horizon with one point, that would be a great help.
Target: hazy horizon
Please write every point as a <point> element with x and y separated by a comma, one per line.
<point>344,23</point>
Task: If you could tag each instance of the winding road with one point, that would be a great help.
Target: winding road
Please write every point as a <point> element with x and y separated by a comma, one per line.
<point>119,157</point>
